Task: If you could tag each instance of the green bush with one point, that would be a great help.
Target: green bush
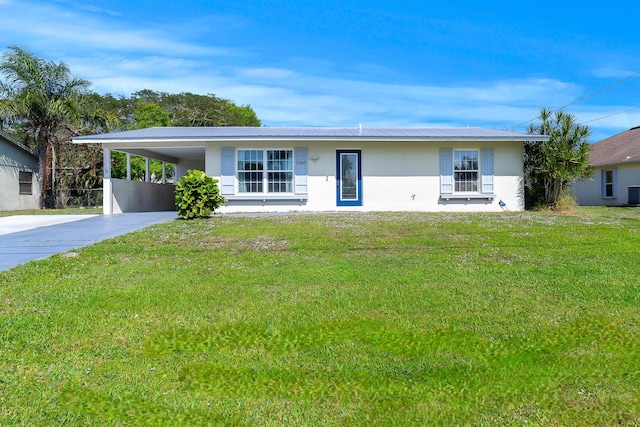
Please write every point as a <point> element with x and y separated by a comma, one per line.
<point>197,195</point>
<point>566,203</point>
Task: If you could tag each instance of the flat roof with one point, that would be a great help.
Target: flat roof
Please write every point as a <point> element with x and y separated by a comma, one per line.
<point>311,133</point>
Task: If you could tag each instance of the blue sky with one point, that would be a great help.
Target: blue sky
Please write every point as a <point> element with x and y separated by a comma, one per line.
<point>379,63</point>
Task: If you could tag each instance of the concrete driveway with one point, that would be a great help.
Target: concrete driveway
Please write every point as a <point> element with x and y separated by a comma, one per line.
<point>25,238</point>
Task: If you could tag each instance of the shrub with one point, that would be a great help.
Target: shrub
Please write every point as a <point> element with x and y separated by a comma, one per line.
<point>566,203</point>
<point>197,195</point>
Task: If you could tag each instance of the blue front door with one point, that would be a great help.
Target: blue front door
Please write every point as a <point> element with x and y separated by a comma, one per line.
<point>348,178</point>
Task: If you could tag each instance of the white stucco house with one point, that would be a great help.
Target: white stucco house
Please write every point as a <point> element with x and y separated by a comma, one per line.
<point>265,169</point>
<point>19,187</point>
<point>616,177</point>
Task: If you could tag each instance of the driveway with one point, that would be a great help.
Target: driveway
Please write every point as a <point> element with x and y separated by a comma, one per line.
<point>25,238</point>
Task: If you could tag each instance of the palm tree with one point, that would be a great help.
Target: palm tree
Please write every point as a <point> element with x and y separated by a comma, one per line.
<point>553,165</point>
<point>43,97</point>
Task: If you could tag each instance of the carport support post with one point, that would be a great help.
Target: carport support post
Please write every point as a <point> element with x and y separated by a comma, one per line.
<point>128,167</point>
<point>164,181</point>
<point>107,189</point>
<point>147,173</point>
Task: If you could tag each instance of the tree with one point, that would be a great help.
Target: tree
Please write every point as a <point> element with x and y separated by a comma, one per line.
<point>42,97</point>
<point>149,114</point>
<point>550,166</point>
<point>188,109</point>
<point>120,108</point>
<point>78,170</point>
<point>148,108</point>
<point>44,106</point>
<point>145,115</point>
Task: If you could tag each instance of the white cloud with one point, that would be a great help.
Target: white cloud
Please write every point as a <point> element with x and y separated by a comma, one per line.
<point>268,73</point>
<point>47,25</point>
<point>95,9</point>
<point>288,97</point>
<point>327,101</point>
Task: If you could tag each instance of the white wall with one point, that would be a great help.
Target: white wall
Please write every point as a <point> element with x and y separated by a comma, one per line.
<point>589,193</point>
<point>137,196</point>
<point>12,161</point>
<point>392,173</point>
<point>187,164</point>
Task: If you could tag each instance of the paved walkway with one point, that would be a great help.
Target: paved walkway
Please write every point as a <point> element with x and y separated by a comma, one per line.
<point>34,237</point>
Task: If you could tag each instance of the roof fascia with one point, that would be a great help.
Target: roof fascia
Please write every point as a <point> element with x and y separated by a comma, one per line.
<point>620,163</point>
<point>203,140</point>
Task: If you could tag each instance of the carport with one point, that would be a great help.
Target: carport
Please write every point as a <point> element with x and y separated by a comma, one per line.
<point>128,195</point>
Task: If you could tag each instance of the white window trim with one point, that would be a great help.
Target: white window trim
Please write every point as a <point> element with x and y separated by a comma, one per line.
<point>485,179</point>
<point>229,184</point>
<point>265,174</point>
<point>477,171</point>
<point>603,176</point>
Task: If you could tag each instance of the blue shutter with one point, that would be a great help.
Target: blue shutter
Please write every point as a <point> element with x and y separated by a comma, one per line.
<point>487,170</point>
<point>614,184</point>
<point>446,170</point>
<point>227,171</point>
<point>300,170</point>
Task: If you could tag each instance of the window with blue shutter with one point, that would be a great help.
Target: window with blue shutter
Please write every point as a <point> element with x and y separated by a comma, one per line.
<point>261,171</point>
<point>466,171</point>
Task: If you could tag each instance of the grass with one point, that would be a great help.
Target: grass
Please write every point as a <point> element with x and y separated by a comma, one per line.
<point>65,211</point>
<point>332,320</point>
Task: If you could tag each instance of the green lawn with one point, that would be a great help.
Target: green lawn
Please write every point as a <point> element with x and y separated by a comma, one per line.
<point>65,211</point>
<point>332,319</point>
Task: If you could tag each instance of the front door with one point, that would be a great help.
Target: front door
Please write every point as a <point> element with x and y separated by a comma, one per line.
<point>348,178</point>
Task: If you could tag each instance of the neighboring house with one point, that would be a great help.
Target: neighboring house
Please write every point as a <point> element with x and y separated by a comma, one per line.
<point>18,175</point>
<point>264,169</point>
<point>616,176</point>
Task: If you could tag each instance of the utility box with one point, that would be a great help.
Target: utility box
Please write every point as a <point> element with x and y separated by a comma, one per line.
<point>634,194</point>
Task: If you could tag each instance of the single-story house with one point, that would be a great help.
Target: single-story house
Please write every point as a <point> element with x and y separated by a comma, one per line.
<point>19,187</point>
<point>616,177</point>
<point>262,169</point>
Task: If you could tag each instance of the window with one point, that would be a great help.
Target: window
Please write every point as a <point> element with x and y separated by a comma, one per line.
<point>250,171</point>
<point>251,167</point>
<point>280,171</point>
<point>465,166</point>
<point>608,184</point>
<point>466,172</point>
<point>25,180</point>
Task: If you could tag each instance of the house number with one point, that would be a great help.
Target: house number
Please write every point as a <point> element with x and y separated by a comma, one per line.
<point>301,162</point>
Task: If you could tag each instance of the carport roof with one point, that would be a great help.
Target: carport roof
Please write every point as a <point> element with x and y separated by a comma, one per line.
<point>158,134</point>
